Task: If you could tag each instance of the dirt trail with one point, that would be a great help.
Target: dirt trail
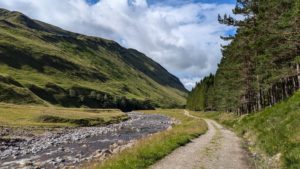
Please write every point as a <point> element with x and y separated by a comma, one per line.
<point>219,148</point>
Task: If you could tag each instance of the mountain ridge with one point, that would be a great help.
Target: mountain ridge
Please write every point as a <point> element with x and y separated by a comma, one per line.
<point>38,56</point>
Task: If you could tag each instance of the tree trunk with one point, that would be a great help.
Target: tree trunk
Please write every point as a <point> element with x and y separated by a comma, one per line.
<point>294,83</point>
<point>272,96</point>
<point>258,94</point>
<point>285,89</point>
<point>262,102</point>
<point>298,75</point>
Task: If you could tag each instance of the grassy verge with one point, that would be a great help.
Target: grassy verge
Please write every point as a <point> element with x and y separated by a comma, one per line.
<point>226,119</point>
<point>151,149</point>
<point>275,131</point>
<point>28,116</point>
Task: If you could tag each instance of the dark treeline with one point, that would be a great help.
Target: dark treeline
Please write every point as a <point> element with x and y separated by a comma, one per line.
<point>260,66</point>
<point>200,97</point>
<point>83,97</point>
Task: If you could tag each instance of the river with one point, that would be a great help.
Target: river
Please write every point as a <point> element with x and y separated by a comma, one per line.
<point>76,146</point>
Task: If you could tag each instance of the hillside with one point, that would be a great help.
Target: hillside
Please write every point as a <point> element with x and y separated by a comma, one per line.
<point>44,64</point>
<point>272,134</point>
<point>260,67</point>
<point>276,131</point>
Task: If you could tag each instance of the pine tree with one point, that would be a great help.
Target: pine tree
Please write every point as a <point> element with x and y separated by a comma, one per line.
<point>261,64</point>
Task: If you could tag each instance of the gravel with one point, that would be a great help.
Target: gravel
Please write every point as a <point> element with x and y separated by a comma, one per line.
<point>218,148</point>
<point>72,147</point>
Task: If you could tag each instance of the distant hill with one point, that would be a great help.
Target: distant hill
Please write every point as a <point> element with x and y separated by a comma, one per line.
<point>44,64</point>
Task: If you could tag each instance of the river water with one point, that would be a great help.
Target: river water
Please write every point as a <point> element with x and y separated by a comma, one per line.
<point>73,147</point>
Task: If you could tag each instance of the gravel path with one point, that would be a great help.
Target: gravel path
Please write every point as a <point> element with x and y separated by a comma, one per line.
<point>219,148</point>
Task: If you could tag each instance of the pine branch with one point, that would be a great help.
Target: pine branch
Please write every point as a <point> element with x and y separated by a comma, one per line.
<point>227,38</point>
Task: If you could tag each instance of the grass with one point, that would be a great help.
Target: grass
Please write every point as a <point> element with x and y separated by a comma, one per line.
<point>274,131</point>
<point>37,57</point>
<point>27,116</point>
<point>149,150</point>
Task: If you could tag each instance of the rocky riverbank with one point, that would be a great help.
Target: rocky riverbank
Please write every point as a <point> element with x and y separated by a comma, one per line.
<point>75,146</point>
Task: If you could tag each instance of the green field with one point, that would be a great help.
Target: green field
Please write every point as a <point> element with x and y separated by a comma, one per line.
<point>273,131</point>
<point>151,149</point>
<point>37,116</point>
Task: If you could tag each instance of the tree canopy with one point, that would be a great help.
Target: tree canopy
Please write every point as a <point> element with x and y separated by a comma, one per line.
<point>261,64</point>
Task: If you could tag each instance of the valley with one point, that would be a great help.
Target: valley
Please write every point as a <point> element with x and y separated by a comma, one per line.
<point>71,100</point>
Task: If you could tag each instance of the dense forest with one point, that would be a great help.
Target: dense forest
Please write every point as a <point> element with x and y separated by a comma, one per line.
<point>260,66</point>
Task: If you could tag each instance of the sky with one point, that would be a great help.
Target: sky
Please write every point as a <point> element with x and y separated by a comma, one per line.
<point>181,35</point>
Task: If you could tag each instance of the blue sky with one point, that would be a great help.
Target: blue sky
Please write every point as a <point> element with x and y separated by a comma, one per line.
<point>92,1</point>
<point>178,1</point>
<point>181,35</point>
<point>188,1</point>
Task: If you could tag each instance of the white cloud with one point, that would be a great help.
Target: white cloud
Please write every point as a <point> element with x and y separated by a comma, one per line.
<point>184,38</point>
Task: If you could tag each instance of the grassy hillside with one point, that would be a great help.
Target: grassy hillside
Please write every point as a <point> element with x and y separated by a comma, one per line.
<point>39,116</point>
<point>275,131</point>
<point>43,64</point>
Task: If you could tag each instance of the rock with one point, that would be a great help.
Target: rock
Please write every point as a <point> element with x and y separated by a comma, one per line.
<point>16,148</point>
<point>74,142</point>
<point>116,150</point>
<point>78,156</point>
<point>120,142</point>
<point>277,157</point>
<point>113,146</point>
<point>61,165</point>
<point>68,150</point>
<point>26,163</point>
<point>61,149</point>
<point>59,160</point>
<point>98,153</point>
<point>106,151</point>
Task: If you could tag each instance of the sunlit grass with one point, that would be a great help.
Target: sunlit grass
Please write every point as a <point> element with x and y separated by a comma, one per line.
<point>275,130</point>
<point>17,115</point>
<point>88,58</point>
<point>153,148</point>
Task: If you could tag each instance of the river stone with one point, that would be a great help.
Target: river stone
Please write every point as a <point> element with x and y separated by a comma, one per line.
<point>59,160</point>
<point>78,143</point>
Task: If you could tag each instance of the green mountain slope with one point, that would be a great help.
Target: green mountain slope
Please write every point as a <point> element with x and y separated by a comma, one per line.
<point>43,64</point>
